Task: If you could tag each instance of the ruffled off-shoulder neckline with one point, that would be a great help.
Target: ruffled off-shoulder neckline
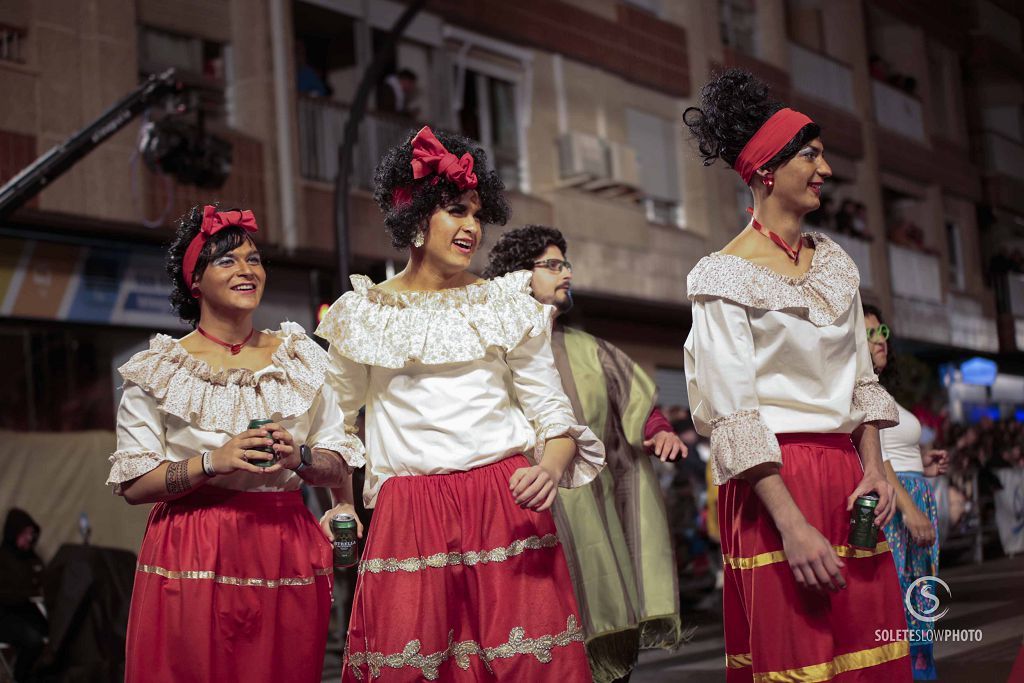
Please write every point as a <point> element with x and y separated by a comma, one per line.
<point>373,326</point>
<point>822,295</point>
<point>226,399</point>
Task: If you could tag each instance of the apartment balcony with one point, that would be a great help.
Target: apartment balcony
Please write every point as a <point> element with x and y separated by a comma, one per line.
<point>1003,154</point>
<point>859,250</point>
<point>822,78</point>
<point>915,274</point>
<point>898,112</point>
<point>969,328</point>
<point>917,295</point>
<point>321,130</point>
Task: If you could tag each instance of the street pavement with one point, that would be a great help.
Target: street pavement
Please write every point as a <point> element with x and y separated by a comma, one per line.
<point>989,596</point>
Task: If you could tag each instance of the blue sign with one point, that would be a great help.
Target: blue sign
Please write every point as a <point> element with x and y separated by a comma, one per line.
<point>979,371</point>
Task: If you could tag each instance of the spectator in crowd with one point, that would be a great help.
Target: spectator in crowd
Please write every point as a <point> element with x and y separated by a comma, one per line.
<point>22,624</point>
<point>397,93</point>
<point>845,216</point>
<point>860,221</point>
<point>307,80</point>
<point>822,216</point>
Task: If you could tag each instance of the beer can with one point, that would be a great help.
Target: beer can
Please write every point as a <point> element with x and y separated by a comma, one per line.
<point>346,546</point>
<point>863,531</point>
<point>256,424</point>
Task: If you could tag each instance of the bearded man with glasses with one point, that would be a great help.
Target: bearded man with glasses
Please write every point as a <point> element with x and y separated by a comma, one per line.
<point>614,530</point>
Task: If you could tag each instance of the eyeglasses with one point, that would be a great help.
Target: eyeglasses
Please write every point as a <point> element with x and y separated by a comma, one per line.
<point>554,265</point>
<point>878,334</point>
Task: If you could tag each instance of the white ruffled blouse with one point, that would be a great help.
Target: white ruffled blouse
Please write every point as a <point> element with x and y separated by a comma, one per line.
<point>175,406</point>
<point>452,379</point>
<point>770,354</point>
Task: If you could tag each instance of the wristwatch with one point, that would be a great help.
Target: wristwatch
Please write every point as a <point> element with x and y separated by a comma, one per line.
<point>305,458</point>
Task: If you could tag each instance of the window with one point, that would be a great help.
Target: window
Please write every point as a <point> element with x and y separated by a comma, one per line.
<point>202,65</point>
<point>956,255</point>
<point>737,19</point>
<point>654,141</point>
<point>12,42</point>
<point>489,116</point>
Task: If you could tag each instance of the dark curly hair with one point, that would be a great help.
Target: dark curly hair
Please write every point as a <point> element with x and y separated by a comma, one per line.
<point>395,171</point>
<point>518,249</point>
<point>228,239</point>
<point>890,377</point>
<point>733,106</point>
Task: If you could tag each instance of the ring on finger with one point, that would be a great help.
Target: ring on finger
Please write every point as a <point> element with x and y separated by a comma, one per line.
<point>245,456</point>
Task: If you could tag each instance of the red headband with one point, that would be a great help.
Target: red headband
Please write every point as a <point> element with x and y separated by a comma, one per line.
<point>213,222</point>
<point>771,137</point>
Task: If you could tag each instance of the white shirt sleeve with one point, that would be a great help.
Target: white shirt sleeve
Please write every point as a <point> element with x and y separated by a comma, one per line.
<point>140,437</point>
<point>348,381</point>
<point>538,387</point>
<point>328,429</point>
<point>721,374</point>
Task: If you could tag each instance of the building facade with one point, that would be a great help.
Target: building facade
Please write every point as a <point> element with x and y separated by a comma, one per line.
<point>579,105</point>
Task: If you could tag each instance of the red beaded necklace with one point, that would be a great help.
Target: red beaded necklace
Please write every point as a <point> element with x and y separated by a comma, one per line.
<point>781,243</point>
<point>233,348</point>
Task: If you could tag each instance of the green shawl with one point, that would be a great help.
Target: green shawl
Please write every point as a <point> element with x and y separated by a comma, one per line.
<point>615,530</point>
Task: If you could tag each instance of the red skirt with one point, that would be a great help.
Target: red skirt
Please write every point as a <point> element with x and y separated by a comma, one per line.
<point>776,630</point>
<point>459,583</point>
<point>230,586</point>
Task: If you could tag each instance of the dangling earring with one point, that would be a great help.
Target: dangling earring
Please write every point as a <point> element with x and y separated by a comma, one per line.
<point>419,239</point>
<point>195,292</point>
<point>769,180</point>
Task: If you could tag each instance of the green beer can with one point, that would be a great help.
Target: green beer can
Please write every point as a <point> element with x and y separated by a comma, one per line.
<point>863,532</point>
<point>346,547</point>
<point>257,424</point>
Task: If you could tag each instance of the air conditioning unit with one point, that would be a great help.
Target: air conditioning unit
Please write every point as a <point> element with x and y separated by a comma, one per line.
<point>582,158</point>
<point>624,169</point>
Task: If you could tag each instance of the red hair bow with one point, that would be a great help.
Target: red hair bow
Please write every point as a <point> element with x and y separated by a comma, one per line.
<point>429,156</point>
<point>213,222</point>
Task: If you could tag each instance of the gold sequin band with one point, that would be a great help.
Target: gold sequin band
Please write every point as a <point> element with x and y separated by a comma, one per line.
<point>851,661</point>
<point>234,580</point>
<point>738,661</point>
<point>468,559</point>
<point>780,556</point>
<point>461,651</point>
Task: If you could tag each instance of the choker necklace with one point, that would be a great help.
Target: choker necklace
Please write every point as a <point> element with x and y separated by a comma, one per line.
<point>233,348</point>
<point>792,253</point>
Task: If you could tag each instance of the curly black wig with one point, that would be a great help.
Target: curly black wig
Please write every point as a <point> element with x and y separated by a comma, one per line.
<point>733,106</point>
<point>404,219</point>
<point>518,249</point>
<point>890,377</point>
<point>228,239</point>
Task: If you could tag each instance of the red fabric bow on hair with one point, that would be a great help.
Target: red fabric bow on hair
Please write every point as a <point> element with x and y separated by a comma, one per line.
<point>429,156</point>
<point>213,222</point>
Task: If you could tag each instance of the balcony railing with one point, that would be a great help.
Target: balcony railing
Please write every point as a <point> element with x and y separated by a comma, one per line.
<point>321,129</point>
<point>1004,154</point>
<point>968,326</point>
<point>897,111</point>
<point>821,77</point>
<point>859,250</point>
<point>915,275</point>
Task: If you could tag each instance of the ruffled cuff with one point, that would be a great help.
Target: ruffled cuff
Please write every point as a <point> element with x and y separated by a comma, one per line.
<point>740,441</point>
<point>350,448</point>
<point>588,461</point>
<point>879,408</point>
<point>128,465</point>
